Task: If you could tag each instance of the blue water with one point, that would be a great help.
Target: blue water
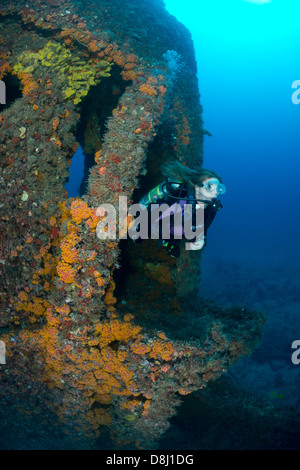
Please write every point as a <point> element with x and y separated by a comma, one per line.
<point>75,173</point>
<point>247,58</point>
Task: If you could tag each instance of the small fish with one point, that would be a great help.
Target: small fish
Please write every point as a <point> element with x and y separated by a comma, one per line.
<point>276,394</point>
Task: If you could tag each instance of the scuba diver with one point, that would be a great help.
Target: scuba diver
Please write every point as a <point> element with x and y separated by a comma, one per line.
<point>194,189</point>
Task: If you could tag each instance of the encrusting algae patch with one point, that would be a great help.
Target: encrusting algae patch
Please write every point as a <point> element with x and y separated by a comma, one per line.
<point>75,74</point>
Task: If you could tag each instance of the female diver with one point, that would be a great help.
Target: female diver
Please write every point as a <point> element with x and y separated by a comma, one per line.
<point>197,188</point>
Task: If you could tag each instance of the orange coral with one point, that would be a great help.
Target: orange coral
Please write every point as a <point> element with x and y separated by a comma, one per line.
<point>162,349</point>
<point>5,68</point>
<point>116,330</point>
<point>130,74</point>
<point>28,84</point>
<point>36,306</point>
<point>64,309</point>
<point>102,170</point>
<point>66,273</point>
<point>146,407</point>
<point>109,298</point>
<point>68,244</point>
<point>162,89</point>
<point>55,124</point>
<point>140,348</point>
<point>52,221</point>
<point>93,220</point>
<point>80,210</point>
<point>148,89</point>
<point>92,46</point>
<point>99,279</point>
<point>98,155</point>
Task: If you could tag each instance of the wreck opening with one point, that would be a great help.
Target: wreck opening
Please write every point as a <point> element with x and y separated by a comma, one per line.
<point>95,110</point>
<point>10,91</point>
<point>76,172</point>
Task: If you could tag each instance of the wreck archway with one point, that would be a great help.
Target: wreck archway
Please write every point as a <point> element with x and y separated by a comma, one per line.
<point>94,112</point>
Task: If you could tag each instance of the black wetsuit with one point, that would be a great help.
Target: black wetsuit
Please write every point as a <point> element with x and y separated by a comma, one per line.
<point>171,192</point>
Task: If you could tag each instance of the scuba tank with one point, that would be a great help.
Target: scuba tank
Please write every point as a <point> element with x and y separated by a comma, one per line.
<point>161,191</point>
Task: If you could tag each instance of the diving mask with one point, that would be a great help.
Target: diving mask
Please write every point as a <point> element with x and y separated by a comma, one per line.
<point>214,186</point>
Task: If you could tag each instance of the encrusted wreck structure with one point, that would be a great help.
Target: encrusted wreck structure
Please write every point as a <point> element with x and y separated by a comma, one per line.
<point>103,338</point>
